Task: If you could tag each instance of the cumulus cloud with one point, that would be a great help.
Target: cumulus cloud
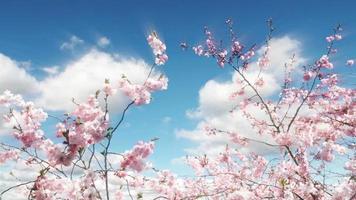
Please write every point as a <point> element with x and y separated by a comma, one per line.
<point>215,103</point>
<point>85,76</point>
<point>282,50</point>
<point>78,79</point>
<point>4,127</point>
<point>73,42</point>
<point>103,42</point>
<point>15,78</point>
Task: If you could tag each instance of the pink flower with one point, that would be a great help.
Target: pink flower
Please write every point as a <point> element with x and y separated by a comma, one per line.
<point>284,139</point>
<point>61,128</point>
<point>121,174</point>
<point>338,37</point>
<point>221,58</point>
<point>137,93</point>
<point>260,164</point>
<point>236,48</point>
<point>60,154</point>
<point>141,94</point>
<point>154,85</point>
<point>108,89</point>
<point>161,59</point>
<point>9,155</point>
<point>158,47</point>
<point>89,126</point>
<point>307,75</point>
<point>210,44</point>
<point>236,138</point>
<point>324,62</point>
<point>351,165</point>
<point>134,159</point>
<point>263,61</point>
<point>326,152</point>
<point>248,55</point>
<point>333,37</point>
<point>350,62</point>
<point>198,50</point>
<point>330,80</point>
<point>330,38</point>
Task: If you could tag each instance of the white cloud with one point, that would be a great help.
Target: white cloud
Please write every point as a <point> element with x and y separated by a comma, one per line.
<point>72,43</point>
<point>51,70</point>
<point>15,78</point>
<point>215,103</point>
<point>4,127</point>
<point>103,42</point>
<point>79,79</point>
<point>282,49</point>
<point>85,76</point>
<point>166,119</point>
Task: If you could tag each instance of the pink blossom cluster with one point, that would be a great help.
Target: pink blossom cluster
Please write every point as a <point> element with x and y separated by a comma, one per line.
<point>310,128</point>
<point>222,55</point>
<point>304,125</point>
<point>51,188</point>
<point>108,89</point>
<point>134,159</point>
<point>167,184</point>
<point>324,62</point>
<point>158,47</point>
<point>89,126</point>
<point>263,61</point>
<point>308,75</point>
<point>351,165</point>
<point>236,48</point>
<point>259,82</point>
<point>248,55</point>
<point>199,50</point>
<point>141,94</point>
<point>27,128</point>
<point>333,37</point>
<point>9,155</point>
<point>60,154</point>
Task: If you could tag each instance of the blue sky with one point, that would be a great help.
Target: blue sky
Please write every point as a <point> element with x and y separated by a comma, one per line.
<point>34,31</point>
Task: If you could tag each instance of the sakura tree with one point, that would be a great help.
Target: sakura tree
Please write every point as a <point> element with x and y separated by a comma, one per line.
<point>80,164</point>
<point>310,126</point>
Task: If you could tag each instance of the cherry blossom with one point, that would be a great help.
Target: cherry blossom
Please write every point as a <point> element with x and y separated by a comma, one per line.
<point>134,159</point>
<point>308,75</point>
<point>158,47</point>
<point>324,62</point>
<point>310,126</point>
<point>9,155</point>
<point>350,62</point>
<point>141,93</point>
